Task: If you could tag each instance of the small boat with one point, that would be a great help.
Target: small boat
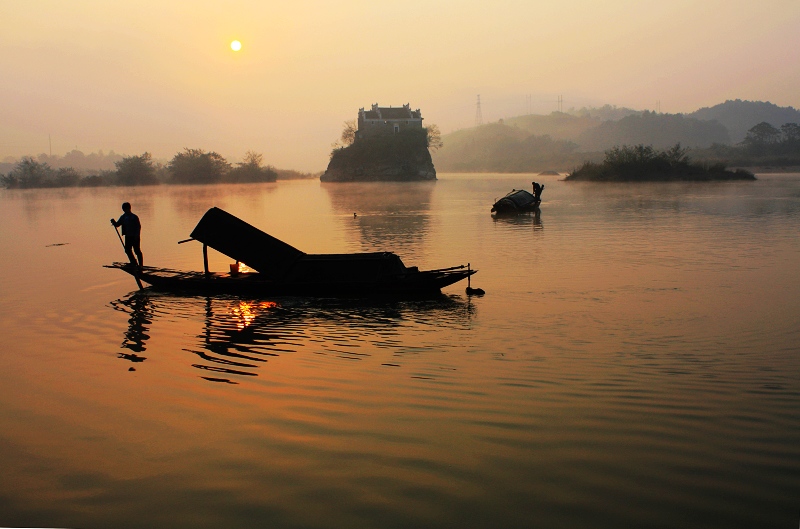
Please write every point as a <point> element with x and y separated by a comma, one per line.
<point>519,201</point>
<point>281,269</point>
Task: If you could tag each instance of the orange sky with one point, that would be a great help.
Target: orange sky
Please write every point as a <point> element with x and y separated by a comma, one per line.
<point>160,75</point>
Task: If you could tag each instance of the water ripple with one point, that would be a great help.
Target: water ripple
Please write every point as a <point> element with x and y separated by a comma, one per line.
<point>238,335</point>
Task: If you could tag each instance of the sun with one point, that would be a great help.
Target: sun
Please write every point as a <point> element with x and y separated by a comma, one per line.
<point>236,45</point>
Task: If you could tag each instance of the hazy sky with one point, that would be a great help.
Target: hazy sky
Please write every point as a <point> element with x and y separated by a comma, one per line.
<point>160,75</point>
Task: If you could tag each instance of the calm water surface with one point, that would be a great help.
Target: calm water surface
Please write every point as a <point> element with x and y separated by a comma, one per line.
<point>634,362</point>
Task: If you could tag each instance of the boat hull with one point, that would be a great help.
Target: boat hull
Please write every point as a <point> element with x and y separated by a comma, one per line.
<point>517,201</point>
<point>412,283</point>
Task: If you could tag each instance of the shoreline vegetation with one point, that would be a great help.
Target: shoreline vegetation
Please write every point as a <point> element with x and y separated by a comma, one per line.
<point>720,136</point>
<point>190,166</point>
<point>745,134</point>
<point>643,163</point>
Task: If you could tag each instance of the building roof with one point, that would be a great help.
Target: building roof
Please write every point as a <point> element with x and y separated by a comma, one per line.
<point>395,113</point>
<point>403,112</point>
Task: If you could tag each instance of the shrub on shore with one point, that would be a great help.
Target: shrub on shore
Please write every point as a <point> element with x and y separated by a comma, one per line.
<point>642,163</point>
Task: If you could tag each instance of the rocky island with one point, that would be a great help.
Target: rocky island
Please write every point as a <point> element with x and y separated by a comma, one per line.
<point>389,144</point>
<point>642,163</point>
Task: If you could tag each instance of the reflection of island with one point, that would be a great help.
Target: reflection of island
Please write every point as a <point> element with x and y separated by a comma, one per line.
<point>239,336</point>
<point>388,216</point>
<point>137,305</point>
<point>194,200</point>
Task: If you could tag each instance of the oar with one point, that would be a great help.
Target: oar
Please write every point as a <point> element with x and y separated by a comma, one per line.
<point>138,282</point>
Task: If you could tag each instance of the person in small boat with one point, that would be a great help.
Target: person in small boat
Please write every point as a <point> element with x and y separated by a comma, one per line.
<point>537,190</point>
<point>132,230</point>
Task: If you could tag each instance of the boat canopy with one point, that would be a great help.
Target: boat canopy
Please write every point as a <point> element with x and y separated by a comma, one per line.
<point>520,198</point>
<point>274,258</point>
<point>239,240</point>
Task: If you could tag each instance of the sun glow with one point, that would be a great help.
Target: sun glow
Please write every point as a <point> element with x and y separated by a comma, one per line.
<point>236,45</point>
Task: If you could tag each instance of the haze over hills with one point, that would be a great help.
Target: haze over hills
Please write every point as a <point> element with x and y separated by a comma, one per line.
<point>739,116</point>
<point>659,130</point>
<point>563,140</point>
<point>560,140</point>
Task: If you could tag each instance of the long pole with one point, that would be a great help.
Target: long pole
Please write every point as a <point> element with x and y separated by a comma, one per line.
<point>138,281</point>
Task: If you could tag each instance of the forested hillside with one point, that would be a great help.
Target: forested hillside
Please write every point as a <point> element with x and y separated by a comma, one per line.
<point>740,116</point>
<point>562,141</point>
<point>650,128</point>
<point>503,148</point>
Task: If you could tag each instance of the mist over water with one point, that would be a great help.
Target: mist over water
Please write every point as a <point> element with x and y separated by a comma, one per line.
<point>632,364</point>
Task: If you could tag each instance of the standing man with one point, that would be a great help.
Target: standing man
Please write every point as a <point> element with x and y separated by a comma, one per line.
<point>537,190</point>
<point>131,229</point>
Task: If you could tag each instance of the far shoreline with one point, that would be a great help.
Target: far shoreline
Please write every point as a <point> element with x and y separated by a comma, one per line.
<point>643,163</point>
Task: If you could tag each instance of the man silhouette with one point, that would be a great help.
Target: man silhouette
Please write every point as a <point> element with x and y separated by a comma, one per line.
<point>537,190</point>
<point>131,229</point>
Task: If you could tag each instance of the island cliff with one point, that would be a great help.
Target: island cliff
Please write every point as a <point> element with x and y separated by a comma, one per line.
<point>390,144</point>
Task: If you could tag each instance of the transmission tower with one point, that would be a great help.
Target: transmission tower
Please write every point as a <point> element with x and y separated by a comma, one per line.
<point>478,115</point>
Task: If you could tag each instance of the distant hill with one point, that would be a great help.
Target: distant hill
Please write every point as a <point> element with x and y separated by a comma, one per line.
<point>504,148</point>
<point>659,130</point>
<point>562,141</point>
<point>604,113</point>
<point>558,125</point>
<point>740,116</point>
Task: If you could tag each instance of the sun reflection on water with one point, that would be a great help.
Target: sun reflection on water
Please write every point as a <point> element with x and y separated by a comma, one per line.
<point>247,311</point>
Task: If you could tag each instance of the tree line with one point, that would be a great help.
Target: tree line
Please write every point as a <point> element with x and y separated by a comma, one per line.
<point>560,141</point>
<point>190,166</point>
<point>643,163</point>
<point>767,139</point>
<point>764,145</point>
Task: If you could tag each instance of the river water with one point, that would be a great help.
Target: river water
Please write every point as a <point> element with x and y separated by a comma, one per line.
<point>634,362</point>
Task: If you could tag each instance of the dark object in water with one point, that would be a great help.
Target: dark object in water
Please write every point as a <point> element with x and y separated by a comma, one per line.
<point>519,201</point>
<point>473,291</point>
<point>282,269</point>
<point>133,357</point>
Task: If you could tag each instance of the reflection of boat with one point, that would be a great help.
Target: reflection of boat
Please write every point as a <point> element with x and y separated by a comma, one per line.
<point>282,269</point>
<point>533,219</point>
<point>519,201</point>
<point>239,336</point>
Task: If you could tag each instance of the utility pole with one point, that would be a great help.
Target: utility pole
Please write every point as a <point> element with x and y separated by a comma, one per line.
<point>50,141</point>
<point>478,115</point>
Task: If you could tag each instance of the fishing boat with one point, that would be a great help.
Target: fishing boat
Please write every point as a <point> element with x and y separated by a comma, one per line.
<point>519,201</point>
<point>281,269</point>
